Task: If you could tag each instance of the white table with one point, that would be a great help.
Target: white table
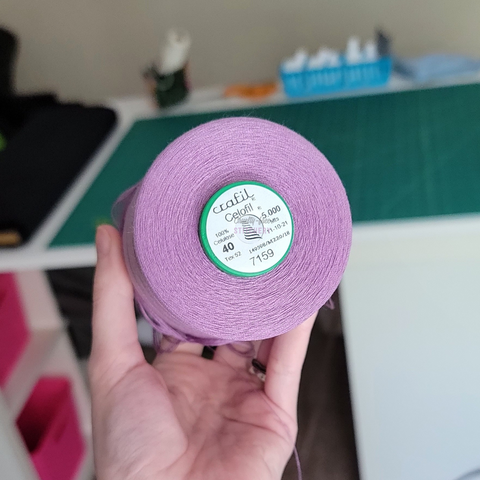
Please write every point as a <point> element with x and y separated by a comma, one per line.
<point>410,306</point>
<point>411,314</point>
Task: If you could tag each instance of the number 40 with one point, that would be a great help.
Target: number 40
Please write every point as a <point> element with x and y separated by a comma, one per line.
<point>228,246</point>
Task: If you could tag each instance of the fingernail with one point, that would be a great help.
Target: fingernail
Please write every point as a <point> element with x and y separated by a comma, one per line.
<point>102,241</point>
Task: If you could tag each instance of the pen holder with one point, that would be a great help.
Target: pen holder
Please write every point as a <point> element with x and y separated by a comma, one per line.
<point>169,89</point>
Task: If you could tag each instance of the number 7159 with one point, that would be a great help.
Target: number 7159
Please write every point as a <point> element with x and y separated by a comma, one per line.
<point>262,256</point>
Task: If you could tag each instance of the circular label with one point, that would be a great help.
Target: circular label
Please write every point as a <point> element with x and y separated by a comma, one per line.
<point>246,229</point>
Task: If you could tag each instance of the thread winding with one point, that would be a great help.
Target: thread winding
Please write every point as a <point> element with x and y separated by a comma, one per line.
<point>181,292</point>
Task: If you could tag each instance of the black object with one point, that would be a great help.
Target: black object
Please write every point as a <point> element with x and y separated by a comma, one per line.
<point>259,366</point>
<point>15,110</point>
<point>8,52</point>
<point>169,89</point>
<point>384,43</point>
<point>42,160</point>
<point>73,288</point>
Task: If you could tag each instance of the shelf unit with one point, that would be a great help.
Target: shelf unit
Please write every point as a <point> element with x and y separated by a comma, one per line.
<point>48,352</point>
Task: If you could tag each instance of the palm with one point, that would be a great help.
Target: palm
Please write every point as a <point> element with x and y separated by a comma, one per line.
<point>185,417</point>
<point>208,410</point>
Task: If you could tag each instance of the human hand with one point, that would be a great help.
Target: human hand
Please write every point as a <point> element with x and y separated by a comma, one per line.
<point>184,417</point>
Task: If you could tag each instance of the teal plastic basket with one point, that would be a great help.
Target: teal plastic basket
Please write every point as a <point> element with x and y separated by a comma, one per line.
<point>335,79</point>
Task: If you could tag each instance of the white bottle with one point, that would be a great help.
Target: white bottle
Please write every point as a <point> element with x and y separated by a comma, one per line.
<point>319,60</point>
<point>296,63</point>
<point>353,53</point>
<point>333,58</point>
<point>370,51</point>
<point>174,51</point>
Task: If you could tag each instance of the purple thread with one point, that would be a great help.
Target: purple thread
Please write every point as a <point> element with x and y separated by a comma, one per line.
<point>330,304</point>
<point>250,353</point>
<point>297,461</point>
<point>180,291</point>
<point>243,349</point>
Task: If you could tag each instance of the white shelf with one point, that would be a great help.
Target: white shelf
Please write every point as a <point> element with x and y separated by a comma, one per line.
<point>45,326</point>
<point>86,470</point>
<point>14,463</point>
<point>38,302</point>
<point>62,362</point>
<point>27,370</point>
<point>48,353</point>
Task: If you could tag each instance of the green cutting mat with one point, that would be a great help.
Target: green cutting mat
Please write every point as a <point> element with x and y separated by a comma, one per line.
<point>399,155</point>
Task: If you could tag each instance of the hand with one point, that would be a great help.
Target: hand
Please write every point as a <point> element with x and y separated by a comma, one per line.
<point>184,417</point>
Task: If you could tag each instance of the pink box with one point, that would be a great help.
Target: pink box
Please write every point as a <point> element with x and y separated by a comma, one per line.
<point>50,428</point>
<point>14,333</point>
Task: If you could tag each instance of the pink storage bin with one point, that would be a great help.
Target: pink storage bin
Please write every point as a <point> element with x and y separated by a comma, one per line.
<point>14,333</point>
<point>50,428</point>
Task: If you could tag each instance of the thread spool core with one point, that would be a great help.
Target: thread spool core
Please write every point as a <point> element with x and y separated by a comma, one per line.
<point>246,229</point>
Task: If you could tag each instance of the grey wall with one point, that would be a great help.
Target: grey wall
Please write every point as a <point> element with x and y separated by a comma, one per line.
<point>92,49</point>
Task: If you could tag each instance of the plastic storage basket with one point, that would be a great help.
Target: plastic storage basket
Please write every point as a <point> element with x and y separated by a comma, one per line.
<point>335,79</point>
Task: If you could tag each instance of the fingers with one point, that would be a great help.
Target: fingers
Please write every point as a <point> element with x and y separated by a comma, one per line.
<point>264,351</point>
<point>193,348</point>
<point>284,366</point>
<point>115,340</point>
<point>238,355</point>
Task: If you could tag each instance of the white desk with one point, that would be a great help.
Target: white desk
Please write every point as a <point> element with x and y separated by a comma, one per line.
<point>410,303</point>
<point>411,315</point>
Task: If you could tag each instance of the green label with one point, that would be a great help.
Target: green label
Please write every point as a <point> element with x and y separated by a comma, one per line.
<point>246,229</point>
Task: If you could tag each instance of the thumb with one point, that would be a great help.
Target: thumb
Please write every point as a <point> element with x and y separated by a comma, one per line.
<point>115,341</point>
